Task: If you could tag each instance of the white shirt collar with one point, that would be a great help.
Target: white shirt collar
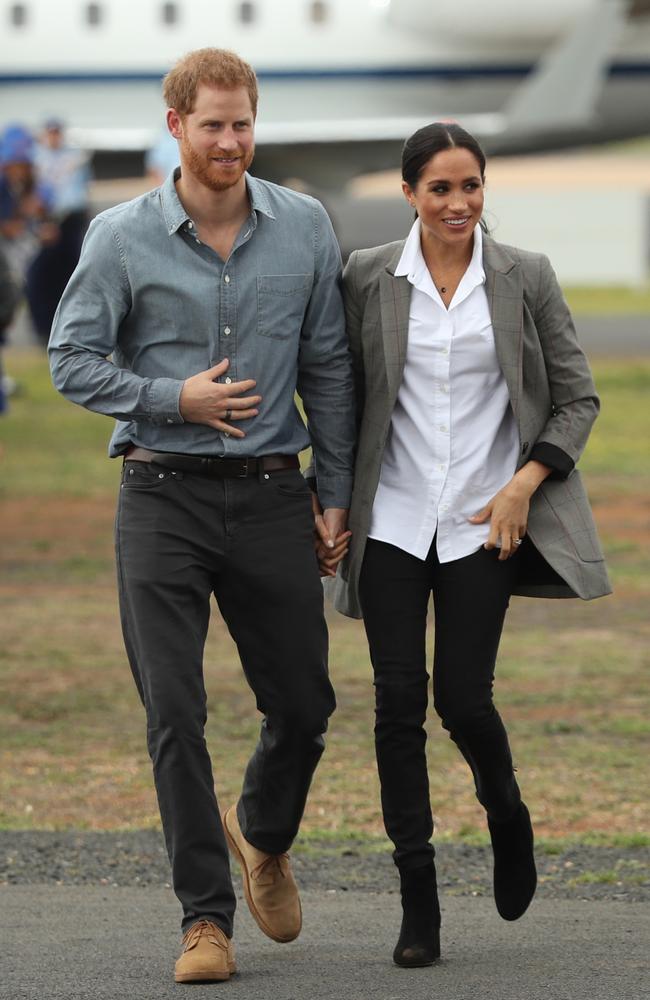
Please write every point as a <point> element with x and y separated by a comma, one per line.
<point>412,264</point>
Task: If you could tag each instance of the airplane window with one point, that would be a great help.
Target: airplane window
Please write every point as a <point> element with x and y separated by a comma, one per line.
<point>169,12</point>
<point>318,11</point>
<point>94,14</point>
<point>247,13</point>
<point>18,15</point>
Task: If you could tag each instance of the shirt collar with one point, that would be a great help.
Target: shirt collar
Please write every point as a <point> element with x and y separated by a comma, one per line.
<point>175,215</point>
<point>258,196</point>
<point>411,263</point>
<point>411,254</point>
<point>476,271</point>
<point>172,208</point>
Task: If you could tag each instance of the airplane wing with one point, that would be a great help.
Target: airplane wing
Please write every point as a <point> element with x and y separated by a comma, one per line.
<point>555,105</point>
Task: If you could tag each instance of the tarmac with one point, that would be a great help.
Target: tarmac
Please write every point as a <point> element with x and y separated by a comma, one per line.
<point>104,943</point>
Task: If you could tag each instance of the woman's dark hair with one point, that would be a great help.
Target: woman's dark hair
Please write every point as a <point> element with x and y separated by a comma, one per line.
<point>426,142</point>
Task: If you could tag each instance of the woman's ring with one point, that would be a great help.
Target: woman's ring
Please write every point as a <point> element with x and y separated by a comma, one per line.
<point>516,541</point>
<point>228,414</point>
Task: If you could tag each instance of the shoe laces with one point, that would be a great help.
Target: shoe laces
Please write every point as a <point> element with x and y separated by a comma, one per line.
<point>202,927</point>
<point>278,862</point>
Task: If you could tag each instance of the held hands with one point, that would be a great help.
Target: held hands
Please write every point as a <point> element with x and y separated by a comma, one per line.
<point>507,511</point>
<point>215,404</point>
<point>330,536</point>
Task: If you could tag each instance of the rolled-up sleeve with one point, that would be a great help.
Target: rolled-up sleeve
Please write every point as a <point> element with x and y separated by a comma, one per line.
<point>325,379</point>
<point>85,334</point>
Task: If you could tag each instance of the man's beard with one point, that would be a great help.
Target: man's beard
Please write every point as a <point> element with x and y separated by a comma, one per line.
<point>200,168</point>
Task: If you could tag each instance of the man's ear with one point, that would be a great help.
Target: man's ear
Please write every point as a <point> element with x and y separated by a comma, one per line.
<point>174,123</point>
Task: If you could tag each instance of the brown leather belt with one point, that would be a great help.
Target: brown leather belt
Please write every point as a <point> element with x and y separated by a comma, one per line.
<point>217,468</point>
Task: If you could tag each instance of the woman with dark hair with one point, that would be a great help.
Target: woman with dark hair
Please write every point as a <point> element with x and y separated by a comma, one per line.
<point>475,402</point>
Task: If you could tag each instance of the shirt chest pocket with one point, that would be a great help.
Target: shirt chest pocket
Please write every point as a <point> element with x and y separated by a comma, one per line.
<point>281,303</point>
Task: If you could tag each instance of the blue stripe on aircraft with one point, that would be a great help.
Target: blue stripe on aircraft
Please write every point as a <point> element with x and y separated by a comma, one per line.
<point>437,72</point>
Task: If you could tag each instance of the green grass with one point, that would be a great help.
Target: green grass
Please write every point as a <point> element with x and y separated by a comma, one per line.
<point>571,680</point>
<point>608,300</point>
<point>620,442</point>
<point>51,447</point>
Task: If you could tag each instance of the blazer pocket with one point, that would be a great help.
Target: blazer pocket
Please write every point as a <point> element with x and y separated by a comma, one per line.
<point>587,546</point>
<point>281,303</point>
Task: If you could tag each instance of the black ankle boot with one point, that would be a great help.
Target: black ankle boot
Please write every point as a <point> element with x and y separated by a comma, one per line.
<point>515,877</point>
<point>419,939</point>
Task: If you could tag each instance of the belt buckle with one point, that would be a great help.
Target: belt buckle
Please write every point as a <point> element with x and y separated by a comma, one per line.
<point>244,473</point>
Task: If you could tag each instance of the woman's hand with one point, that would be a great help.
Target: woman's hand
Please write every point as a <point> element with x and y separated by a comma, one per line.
<point>507,511</point>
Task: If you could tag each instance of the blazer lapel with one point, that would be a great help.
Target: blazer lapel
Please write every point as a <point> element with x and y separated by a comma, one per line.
<point>395,298</point>
<point>504,289</point>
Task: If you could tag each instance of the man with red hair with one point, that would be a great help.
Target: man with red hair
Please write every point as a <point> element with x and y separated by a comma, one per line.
<point>217,297</point>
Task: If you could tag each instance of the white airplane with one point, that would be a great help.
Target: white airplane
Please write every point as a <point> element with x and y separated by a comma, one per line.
<point>343,82</point>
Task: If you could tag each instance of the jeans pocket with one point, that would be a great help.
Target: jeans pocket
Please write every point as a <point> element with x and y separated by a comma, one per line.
<point>143,475</point>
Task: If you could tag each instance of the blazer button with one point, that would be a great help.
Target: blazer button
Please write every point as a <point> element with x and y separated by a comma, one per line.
<point>524,448</point>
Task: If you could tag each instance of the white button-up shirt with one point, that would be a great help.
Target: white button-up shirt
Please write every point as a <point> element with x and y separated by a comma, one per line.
<point>453,440</point>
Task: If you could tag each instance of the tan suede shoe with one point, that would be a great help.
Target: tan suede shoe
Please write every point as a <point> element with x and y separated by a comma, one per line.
<point>207,955</point>
<point>269,886</point>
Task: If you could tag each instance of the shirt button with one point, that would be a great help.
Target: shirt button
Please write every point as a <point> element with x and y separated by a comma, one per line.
<point>444,387</point>
<point>227,279</point>
<point>228,380</point>
<point>443,428</point>
<point>445,350</point>
<point>169,420</point>
<point>441,468</point>
<point>226,330</point>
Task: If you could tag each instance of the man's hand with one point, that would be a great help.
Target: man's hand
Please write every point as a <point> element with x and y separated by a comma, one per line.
<point>215,404</point>
<point>331,537</point>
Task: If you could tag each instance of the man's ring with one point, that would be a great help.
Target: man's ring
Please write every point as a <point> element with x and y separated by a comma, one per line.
<point>228,414</point>
<point>516,541</point>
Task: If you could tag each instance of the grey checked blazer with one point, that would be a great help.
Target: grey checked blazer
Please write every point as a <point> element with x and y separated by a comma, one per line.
<point>551,392</point>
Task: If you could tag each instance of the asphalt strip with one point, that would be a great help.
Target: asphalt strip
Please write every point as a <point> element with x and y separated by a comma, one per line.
<point>89,942</point>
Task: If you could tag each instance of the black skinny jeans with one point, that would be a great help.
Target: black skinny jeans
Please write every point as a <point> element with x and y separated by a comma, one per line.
<point>470,597</point>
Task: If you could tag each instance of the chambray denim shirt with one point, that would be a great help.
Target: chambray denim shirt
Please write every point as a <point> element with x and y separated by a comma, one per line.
<point>164,306</point>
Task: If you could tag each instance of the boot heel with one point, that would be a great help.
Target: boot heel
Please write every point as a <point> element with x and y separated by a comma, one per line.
<point>418,956</point>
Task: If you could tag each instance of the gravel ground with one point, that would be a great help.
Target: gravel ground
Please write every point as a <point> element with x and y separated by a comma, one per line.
<point>138,858</point>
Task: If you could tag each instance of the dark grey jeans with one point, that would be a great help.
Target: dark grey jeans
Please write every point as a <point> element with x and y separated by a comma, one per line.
<point>180,539</point>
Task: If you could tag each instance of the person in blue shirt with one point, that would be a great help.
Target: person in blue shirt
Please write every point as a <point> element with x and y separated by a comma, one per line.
<point>26,223</point>
<point>195,314</point>
<point>64,170</point>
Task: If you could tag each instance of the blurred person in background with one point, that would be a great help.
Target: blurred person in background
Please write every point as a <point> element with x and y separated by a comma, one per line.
<point>65,171</point>
<point>475,402</point>
<point>27,227</point>
<point>9,296</point>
